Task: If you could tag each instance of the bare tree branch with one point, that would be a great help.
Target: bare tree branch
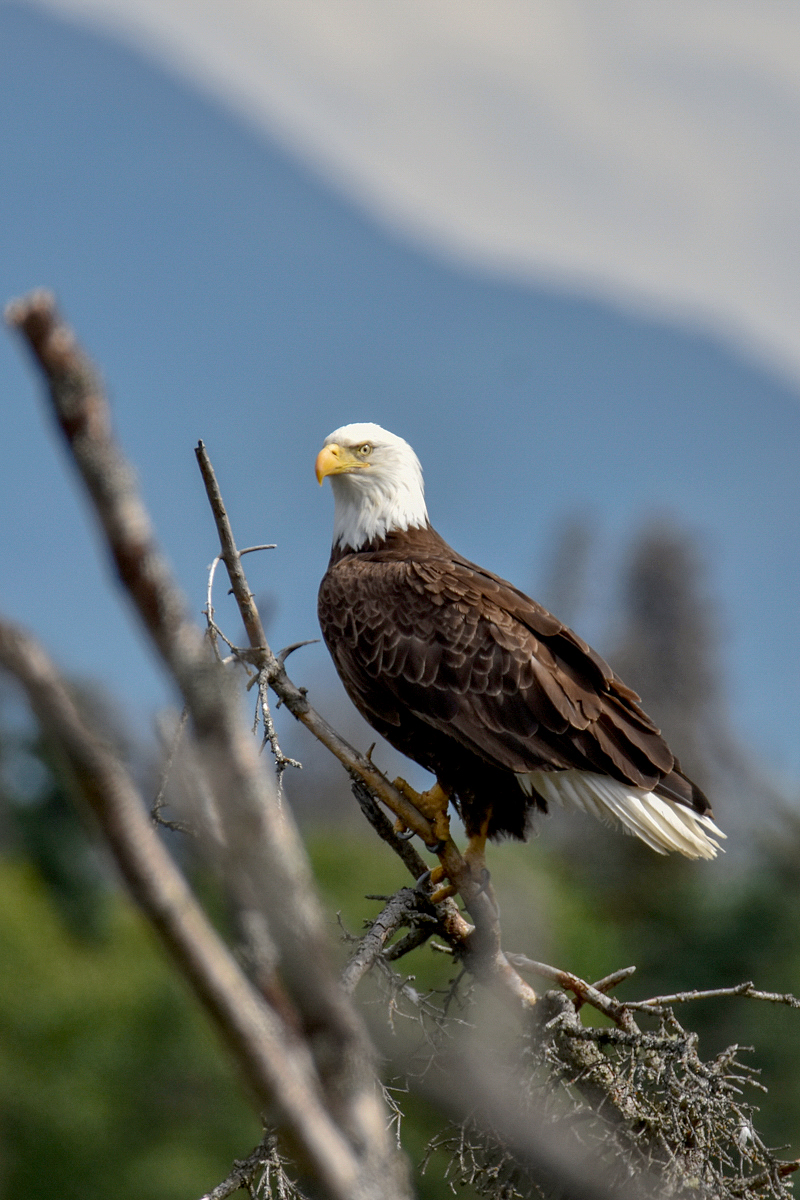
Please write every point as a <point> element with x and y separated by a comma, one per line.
<point>273,1060</point>
<point>255,1172</point>
<point>589,994</point>
<point>404,908</point>
<point>740,989</point>
<point>779,1171</point>
<point>265,858</point>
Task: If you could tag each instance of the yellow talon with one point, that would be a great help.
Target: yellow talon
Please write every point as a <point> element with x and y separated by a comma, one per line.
<point>433,804</point>
<point>437,875</point>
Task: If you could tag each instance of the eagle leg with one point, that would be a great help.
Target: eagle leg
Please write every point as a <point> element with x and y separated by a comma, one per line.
<point>475,853</point>
<point>475,858</point>
<point>432,804</point>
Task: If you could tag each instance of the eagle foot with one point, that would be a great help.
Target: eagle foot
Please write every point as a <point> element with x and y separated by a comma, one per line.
<point>431,879</point>
<point>432,804</point>
<point>402,831</point>
<point>474,858</point>
<point>424,881</point>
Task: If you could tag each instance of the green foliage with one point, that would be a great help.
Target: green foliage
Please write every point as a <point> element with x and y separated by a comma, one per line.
<point>111,1083</point>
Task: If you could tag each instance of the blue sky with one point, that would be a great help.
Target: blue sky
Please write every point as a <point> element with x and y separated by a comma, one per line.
<point>230,294</point>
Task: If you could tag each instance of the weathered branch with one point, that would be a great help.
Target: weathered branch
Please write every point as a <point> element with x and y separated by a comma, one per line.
<point>779,1171</point>
<point>657,1003</point>
<point>588,993</point>
<point>265,858</point>
<point>402,909</point>
<point>275,1063</point>
<point>521,1130</point>
<point>246,1173</point>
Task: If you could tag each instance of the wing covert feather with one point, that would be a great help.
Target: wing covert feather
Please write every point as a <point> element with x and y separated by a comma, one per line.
<point>474,657</point>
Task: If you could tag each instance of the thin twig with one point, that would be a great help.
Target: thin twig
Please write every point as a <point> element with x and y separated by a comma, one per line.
<point>741,989</point>
<point>781,1170</point>
<point>159,802</point>
<point>209,611</point>
<point>245,1173</point>
<point>230,555</point>
<point>614,979</point>
<point>283,654</point>
<point>282,761</point>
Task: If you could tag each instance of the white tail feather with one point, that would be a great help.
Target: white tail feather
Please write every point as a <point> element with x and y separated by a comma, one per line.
<point>663,824</point>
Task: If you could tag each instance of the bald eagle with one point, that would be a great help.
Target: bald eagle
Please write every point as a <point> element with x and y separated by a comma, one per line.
<point>467,676</point>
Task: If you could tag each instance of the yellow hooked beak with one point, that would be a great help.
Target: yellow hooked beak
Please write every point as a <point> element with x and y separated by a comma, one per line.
<point>336,460</point>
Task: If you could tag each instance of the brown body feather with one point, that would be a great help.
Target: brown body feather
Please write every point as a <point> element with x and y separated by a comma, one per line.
<point>466,675</point>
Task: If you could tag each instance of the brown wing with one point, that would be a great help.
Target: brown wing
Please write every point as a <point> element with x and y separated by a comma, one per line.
<point>474,658</point>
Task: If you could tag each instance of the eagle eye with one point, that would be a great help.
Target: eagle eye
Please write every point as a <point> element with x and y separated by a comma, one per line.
<point>365,449</point>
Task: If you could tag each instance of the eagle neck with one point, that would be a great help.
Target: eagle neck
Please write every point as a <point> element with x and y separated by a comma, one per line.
<point>370,509</point>
<point>416,542</point>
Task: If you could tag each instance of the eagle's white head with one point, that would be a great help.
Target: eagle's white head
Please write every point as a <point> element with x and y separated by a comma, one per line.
<point>377,483</point>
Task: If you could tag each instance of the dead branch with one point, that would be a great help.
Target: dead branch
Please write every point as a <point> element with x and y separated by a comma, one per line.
<point>413,939</point>
<point>681,1118</point>
<point>275,1063</point>
<point>779,1171</point>
<point>657,1003</point>
<point>524,1148</point>
<point>266,863</point>
<point>255,1173</point>
<point>404,908</point>
<point>586,992</point>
